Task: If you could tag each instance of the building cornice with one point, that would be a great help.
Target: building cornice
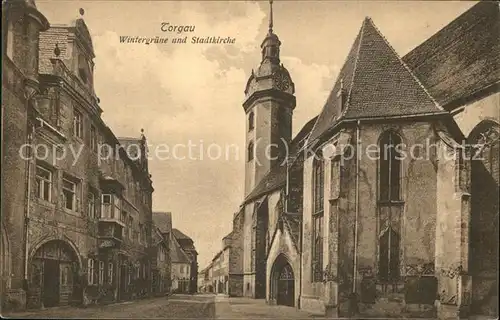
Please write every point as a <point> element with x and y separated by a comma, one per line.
<point>274,94</point>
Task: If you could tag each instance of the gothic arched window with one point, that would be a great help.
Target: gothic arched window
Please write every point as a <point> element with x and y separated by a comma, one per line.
<point>389,206</point>
<point>390,167</point>
<point>250,151</point>
<point>251,121</point>
<point>318,206</point>
<point>388,264</point>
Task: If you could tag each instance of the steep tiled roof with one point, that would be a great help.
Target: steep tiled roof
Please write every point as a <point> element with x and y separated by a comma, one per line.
<point>157,237</point>
<point>178,255</point>
<point>276,178</point>
<point>163,221</point>
<point>461,58</point>
<point>187,246</point>
<point>179,235</point>
<point>375,83</point>
<point>331,109</point>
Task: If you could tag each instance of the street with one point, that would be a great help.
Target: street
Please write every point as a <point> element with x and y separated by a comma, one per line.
<point>173,307</point>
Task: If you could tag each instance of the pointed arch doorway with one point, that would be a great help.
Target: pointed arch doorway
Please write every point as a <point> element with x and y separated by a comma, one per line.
<point>283,282</point>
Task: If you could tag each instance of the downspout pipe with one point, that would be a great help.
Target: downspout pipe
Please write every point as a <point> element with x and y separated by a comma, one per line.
<point>353,309</point>
<point>300,260</point>
<point>30,93</point>
<point>28,205</point>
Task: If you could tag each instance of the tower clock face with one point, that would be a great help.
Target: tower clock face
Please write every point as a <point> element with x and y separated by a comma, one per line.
<point>281,81</point>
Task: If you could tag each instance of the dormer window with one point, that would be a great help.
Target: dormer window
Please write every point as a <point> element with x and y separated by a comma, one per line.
<point>341,95</point>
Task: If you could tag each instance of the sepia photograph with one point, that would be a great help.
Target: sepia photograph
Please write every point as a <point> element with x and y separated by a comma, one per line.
<point>232,159</point>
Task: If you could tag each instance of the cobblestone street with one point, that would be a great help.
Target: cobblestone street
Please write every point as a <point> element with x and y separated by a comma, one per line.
<point>245,308</point>
<point>173,307</point>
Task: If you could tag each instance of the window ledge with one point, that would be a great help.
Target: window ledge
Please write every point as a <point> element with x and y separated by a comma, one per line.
<point>71,212</point>
<point>390,202</point>
<point>45,203</point>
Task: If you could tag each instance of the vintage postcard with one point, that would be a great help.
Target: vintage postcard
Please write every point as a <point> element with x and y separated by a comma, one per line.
<point>250,159</point>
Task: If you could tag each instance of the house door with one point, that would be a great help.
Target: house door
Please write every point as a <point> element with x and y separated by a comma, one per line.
<point>51,274</point>
<point>286,286</point>
<point>123,282</point>
<point>51,283</point>
<point>65,283</point>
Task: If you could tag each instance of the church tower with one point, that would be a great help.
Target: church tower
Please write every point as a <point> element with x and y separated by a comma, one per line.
<point>269,103</point>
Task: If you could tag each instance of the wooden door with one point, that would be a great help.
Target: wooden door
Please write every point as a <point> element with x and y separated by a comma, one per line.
<point>65,283</point>
<point>51,277</point>
<point>286,287</point>
<point>123,282</point>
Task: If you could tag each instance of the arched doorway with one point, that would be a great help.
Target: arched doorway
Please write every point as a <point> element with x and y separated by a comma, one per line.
<point>286,286</point>
<point>54,275</point>
<point>483,237</point>
<point>283,282</point>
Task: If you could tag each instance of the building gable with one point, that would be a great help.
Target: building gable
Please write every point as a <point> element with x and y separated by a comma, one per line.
<point>374,83</point>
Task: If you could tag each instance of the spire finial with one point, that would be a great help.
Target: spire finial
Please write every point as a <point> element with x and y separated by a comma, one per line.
<point>270,16</point>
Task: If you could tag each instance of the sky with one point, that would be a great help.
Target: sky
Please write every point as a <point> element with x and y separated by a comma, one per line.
<point>190,95</point>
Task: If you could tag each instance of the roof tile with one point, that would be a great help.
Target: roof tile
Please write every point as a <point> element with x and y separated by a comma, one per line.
<point>461,58</point>
<point>377,83</point>
<point>163,221</point>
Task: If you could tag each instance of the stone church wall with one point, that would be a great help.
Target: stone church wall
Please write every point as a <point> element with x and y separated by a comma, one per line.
<point>236,257</point>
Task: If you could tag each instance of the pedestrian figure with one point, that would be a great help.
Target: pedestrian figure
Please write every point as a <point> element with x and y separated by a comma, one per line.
<point>353,305</point>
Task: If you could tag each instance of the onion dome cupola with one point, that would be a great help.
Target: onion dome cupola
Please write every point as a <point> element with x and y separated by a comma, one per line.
<point>270,75</point>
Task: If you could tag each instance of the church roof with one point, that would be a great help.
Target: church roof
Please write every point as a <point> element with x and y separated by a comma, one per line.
<point>376,83</point>
<point>461,58</point>
<point>276,178</point>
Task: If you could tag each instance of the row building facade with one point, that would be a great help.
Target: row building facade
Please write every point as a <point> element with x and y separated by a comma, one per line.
<point>180,258</point>
<point>76,227</point>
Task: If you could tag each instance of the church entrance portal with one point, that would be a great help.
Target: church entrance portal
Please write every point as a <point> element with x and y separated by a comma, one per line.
<point>282,282</point>
<point>286,286</point>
